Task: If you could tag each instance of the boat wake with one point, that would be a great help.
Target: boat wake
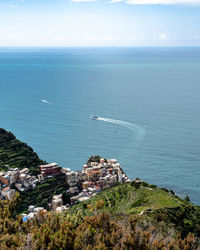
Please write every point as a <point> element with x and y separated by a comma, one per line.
<point>138,132</point>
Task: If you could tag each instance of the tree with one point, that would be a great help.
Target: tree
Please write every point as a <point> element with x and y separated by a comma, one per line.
<point>187,198</point>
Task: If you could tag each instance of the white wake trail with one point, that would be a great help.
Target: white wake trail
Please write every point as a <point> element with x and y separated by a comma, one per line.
<point>137,131</point>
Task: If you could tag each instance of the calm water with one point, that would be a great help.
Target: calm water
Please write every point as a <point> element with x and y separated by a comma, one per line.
<point>150,97</point>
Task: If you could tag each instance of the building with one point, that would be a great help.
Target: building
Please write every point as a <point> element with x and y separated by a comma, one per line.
<point>112,161</point>
<point>8,193</point>
<point>74,190</point>
<point>57,201</point>
<point>61,209</point>
<point>8,178</point>
<point>86,184</point>
<point>5,180</point>
<point>33,212</point>
<point>70,177</point>
<point>81,199</point>
<point>74,199</point>
<point>50,169</point>
<point>31,208</point>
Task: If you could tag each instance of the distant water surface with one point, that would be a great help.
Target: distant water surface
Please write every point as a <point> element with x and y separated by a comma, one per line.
<point>48,95</point>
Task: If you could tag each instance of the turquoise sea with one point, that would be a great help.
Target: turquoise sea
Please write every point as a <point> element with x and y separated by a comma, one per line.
<point>150,98</point>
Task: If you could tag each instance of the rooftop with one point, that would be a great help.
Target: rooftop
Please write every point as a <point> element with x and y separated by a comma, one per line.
<point>50,165</point>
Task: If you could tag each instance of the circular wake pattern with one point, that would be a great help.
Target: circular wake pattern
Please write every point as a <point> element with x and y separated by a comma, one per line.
<point>138,132</point>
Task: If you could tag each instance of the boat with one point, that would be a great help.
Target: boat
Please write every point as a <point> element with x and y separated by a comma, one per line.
<point>94,117</point>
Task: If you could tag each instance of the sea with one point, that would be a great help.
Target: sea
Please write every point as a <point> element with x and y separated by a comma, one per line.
<point>147,101</point>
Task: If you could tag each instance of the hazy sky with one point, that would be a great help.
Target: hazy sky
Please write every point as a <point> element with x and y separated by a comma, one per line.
<point>99,22</point>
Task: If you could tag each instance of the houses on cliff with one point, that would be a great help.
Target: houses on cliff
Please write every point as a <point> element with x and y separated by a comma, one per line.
<point>15,179</point>
<point>94,177</point>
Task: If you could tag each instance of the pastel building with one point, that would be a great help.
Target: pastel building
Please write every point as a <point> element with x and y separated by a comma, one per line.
<point>50,169</point>
<point>56,202</point>
<point>8,193</point>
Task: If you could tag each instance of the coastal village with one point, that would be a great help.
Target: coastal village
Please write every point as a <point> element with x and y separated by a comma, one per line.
<point>82,185</point>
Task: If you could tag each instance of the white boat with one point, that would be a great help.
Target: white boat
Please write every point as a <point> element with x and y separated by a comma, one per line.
<point>94,117</point>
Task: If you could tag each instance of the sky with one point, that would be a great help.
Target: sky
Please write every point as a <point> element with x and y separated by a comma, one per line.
<point>99,23</point>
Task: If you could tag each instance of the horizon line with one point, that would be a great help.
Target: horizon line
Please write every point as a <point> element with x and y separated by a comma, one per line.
<point>169,46</point>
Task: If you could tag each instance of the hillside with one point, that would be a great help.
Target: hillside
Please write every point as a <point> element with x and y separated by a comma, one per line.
<point>134,215</point>
<point>131,199</point>
<point>16,153</point>
<point>154,218</point>
<point>110,220</point>
<point>42,194</point>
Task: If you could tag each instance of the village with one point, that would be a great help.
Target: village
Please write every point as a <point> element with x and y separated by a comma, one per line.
<point>82,185</point>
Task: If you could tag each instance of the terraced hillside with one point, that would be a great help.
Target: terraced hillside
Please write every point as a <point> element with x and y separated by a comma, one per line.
<point>130,199</point>
<point>151,209</point>
<point>16,153</point>
<point>42,194</point>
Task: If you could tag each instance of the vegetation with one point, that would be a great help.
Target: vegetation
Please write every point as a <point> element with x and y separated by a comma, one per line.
<point>130,199</point>
<point>17,154</point>
<point>95,158</point>
<point>42,194</point>
<point>96,226</point>
<point>128,216</point>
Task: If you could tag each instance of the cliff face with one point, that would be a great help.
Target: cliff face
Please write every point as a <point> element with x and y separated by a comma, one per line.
<point>17,154</point>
